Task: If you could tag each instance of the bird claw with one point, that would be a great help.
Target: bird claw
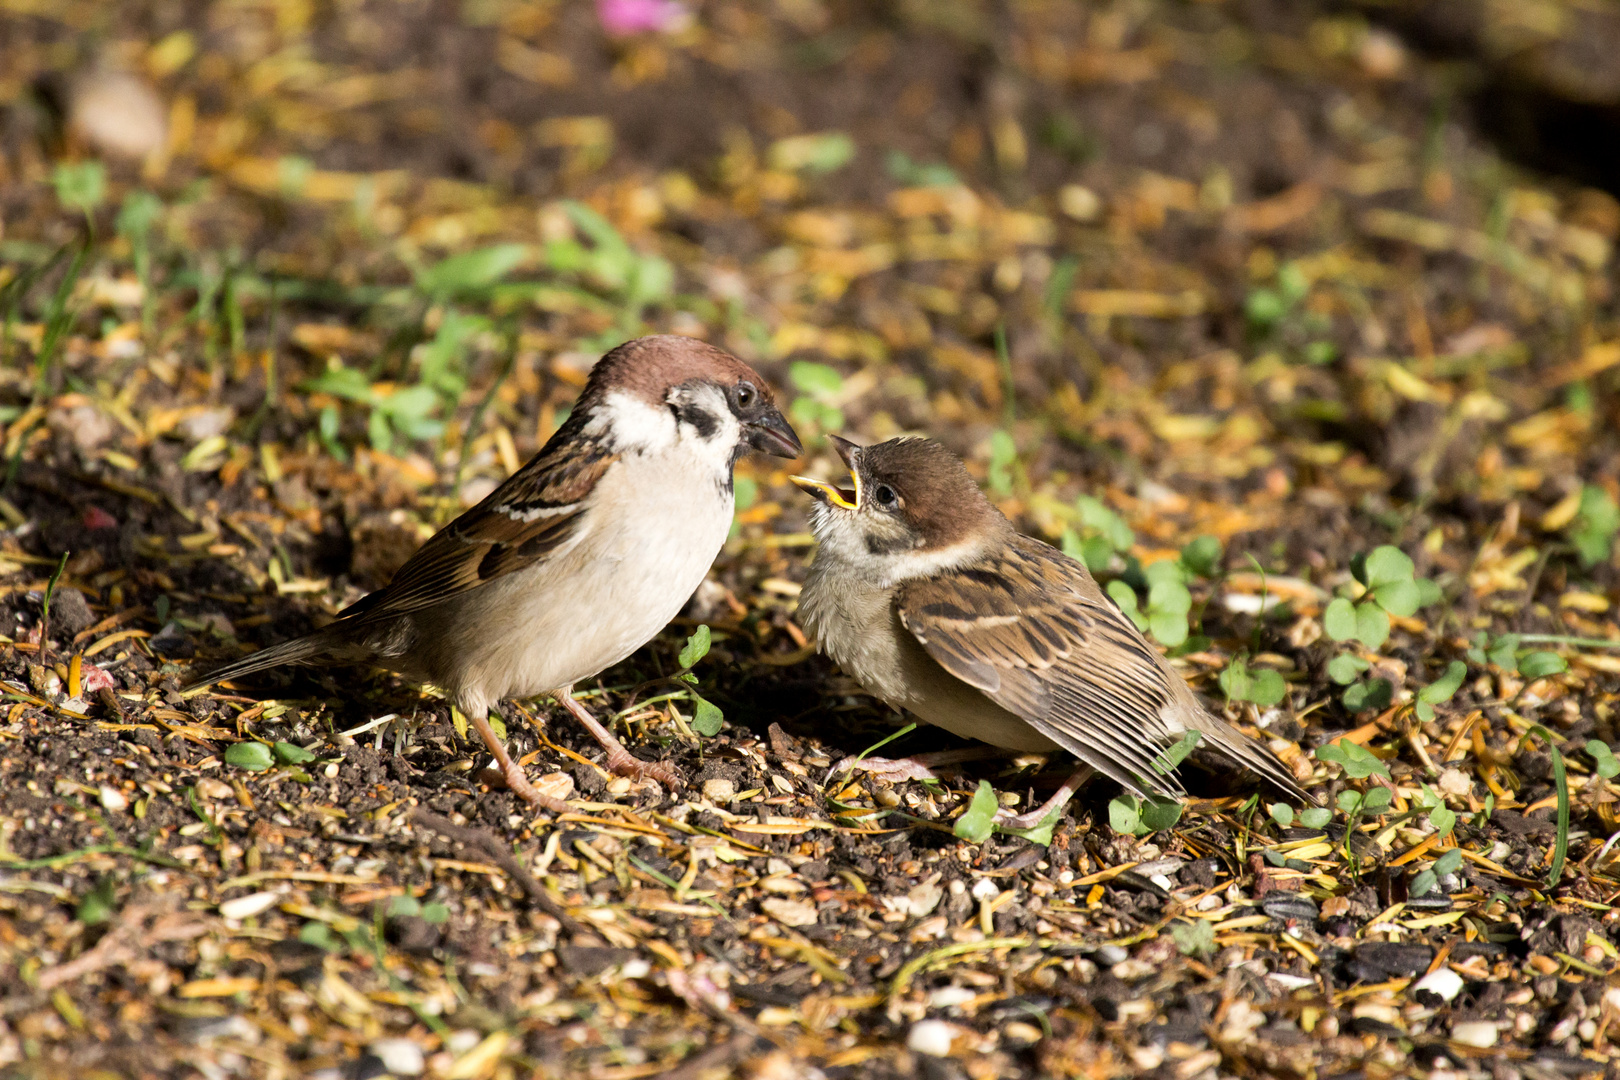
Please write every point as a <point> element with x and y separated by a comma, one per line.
<point>623,763</point>
<point>519,785</point>
<point>1006,819</point>
<point>893,770</point>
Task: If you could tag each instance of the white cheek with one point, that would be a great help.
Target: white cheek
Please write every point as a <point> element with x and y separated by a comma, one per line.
<point>633,424</point>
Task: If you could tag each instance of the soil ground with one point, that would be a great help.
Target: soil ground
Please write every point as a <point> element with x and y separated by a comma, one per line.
<point>1245,270</point>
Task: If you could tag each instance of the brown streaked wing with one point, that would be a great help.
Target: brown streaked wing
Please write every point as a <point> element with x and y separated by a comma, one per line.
<point>1030,629</point>
<point>515,526</point>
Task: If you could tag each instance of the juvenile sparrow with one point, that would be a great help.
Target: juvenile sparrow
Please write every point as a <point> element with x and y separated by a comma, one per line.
<point>579,558</point>
<point>929,597</point>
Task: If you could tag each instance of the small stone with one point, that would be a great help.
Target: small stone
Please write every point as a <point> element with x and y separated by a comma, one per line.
<point>1021,1033</point>
<point>459,1042</point>
<point>947,997</point>
<point>1131,970</point>
<point>1381,54</point>
<point>1454,782</point>
<point>719,790</point>
<point>789,912</point>
<point>70,613</point>
<point>1376,960</point>
<point>1078,202</point>
<point>1480,1034</point>
<point>924,898</point>
<point>558,785</point>
<point>206,423</point>
<point>931,1037</point>
<point>401,1057</point>
<point>1442,983</point>
<point>118,114</point>
<point>113,800</point>
<point>245,907</point>
<point>210,788</point>
<point>1110,954</point>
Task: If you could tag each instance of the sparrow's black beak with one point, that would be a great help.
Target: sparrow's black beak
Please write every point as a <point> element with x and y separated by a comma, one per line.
<point>772,434</point>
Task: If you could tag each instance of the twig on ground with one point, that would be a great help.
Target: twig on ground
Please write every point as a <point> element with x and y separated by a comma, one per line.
<point>485,842</point>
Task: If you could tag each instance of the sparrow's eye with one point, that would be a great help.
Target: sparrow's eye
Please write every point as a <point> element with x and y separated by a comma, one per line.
<point>883,495</point>
<point>745,395</point>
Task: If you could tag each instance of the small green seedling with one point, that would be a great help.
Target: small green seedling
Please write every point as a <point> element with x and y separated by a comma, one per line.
<point>1315,817</point>
<point>1440,690</point>
<point>1266,307</point>
<point>820,388</point>
<point>1262,686</point>
<point>1372,801</point>
<point>918,174</point>
<point>1595,524</point>
<point>706,716</point>
<point>1003,463</point>
<point>1195,937</point>
<point>978,821</point>
<point>1357,761</point>
<point>1130,815</point>
<point>1277,313</point>
<point>1540,664</point>
<point>1391,590</point>
<point>1442,817</point>
<point>1427,881</point>
<point>99,905</point>
<point>250,754</point>
<point>611,265</point>
<point>1604,762</point>
<point>1505,652</point>
<point>289,754</point>
<point>1101,536</point>
<point>1171,757</point>
<point>470,274</point>
<point>81,185</point>
<point>436,912</point>
<point>818,154</point>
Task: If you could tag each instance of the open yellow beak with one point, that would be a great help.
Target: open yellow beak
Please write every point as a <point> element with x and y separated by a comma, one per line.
<point>831,493</point>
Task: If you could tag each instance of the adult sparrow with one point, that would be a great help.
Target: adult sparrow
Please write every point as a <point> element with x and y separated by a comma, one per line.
<point>579,558</point>
<point>928,596</point>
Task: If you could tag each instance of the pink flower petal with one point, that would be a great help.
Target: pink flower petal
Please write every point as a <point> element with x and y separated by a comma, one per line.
<point>622,18</point>
<point>96,518</point>
<point>93,679</point>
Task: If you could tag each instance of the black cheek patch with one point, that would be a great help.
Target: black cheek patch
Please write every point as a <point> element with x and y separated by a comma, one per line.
<point>881,545</point>
<point>704,422</point>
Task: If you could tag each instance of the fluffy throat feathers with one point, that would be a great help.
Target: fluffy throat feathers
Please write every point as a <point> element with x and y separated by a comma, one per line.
<point>883,557</point>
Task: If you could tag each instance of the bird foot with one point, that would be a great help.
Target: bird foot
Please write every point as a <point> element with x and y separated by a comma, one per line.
<point>1006,819</point>
<point>510,772</point>
<point>893,770</point>
<point>518,784</point>
<point>915,767</point>
<point>621,762</point>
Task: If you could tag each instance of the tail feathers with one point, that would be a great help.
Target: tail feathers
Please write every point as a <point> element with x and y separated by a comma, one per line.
<point>1246,753</point>
<point>302,650</point>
